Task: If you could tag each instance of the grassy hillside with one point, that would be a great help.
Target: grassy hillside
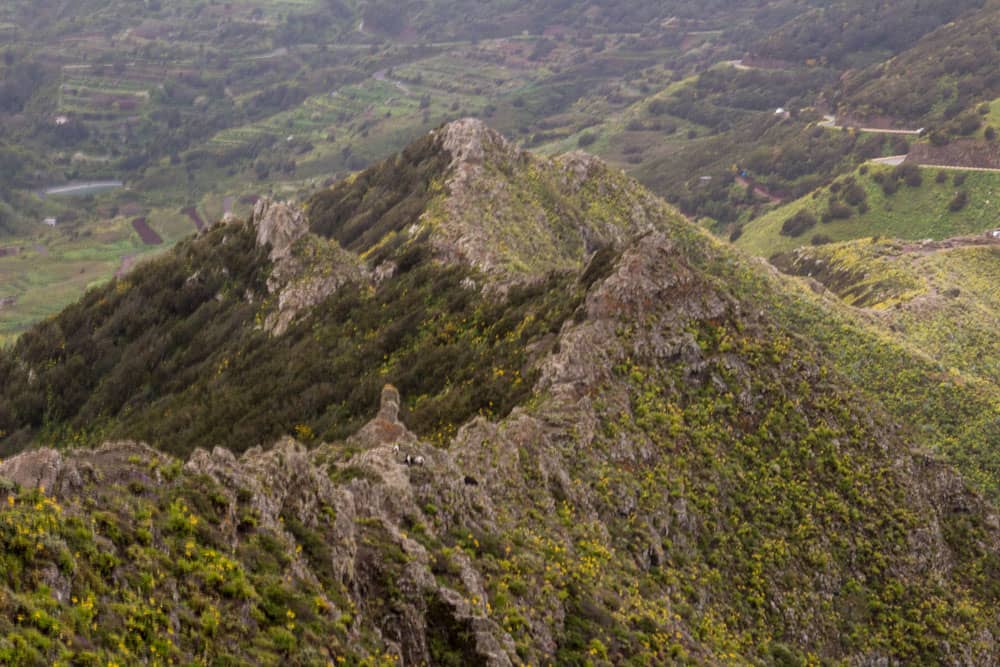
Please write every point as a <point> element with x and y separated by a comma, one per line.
<point>939,302</point>
<point>940,297</point>
<point>894,209</point>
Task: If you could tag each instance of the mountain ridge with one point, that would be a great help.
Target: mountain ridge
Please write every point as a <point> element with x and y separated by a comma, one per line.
<point>650,449</point>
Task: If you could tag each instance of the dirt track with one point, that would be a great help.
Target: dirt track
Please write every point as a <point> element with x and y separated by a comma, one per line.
<point>760,190</point>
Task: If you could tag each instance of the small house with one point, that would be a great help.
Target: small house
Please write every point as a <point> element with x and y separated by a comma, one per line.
<point>51,222</point>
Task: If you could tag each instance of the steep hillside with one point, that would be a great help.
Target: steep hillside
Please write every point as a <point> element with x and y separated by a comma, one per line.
<point>198,321</point>
<point>941,296</point>
<point>640,508</point>
<point>903,202</point>
<point>948,72</point>
<point>611,440</point>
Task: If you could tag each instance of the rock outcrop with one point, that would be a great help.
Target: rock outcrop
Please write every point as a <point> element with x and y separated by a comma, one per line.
<point>565,209</point>
<point>288,480</point>
<point>306,269</point>
<point>278,225</point>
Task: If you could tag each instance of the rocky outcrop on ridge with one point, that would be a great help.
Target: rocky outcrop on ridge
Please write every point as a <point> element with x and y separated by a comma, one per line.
<point>306,270</point>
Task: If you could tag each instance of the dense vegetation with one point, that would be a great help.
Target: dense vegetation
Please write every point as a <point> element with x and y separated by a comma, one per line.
<point>176,360</point>
<point>942,76</point>
<point>380,202</point>
<point>786,159</point>
<point>145,574</point>
<point>853,32</point>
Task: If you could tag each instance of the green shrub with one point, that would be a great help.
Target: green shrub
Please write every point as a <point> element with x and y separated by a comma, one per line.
<point>837,210</point>
<point>959,201</point>
<point>798,223</point>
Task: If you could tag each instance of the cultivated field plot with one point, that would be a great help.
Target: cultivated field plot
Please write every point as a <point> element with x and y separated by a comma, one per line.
<point>54,270</point>
<point>40,275</point>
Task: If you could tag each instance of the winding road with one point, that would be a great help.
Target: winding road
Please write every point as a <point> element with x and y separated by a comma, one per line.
<point>831,122</point>
<point>84,188</point>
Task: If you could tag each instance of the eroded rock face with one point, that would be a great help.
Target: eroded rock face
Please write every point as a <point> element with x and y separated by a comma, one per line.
<point>60,473</point>
<point>42,468</point>
<point>306,269</point>
<point>279,224</point>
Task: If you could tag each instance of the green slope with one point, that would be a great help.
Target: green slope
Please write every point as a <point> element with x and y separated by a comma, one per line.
<point>947,72</point>
<point>911,212</point>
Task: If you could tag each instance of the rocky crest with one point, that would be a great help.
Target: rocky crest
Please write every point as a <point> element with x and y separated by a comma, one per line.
<point>278,225</point>
<point>306,269</point>
<point>565,209</point>
<point>289,480</point>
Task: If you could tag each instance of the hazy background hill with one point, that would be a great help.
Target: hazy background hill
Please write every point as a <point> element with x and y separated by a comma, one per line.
<point>199,109</point>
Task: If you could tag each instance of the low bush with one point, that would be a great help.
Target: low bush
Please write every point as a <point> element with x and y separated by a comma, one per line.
<point>798,224</point>
<point>959,201</point>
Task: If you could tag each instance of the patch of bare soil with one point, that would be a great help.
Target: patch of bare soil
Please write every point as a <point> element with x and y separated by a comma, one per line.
<point>961,153</point>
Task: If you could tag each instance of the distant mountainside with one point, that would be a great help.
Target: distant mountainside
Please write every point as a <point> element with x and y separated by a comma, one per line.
<point>858,32</point>
<point>944,75</point>
<point>200,109</point>
<point>473,406</point>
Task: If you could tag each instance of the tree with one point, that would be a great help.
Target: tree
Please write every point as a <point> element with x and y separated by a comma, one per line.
<point>798,223</point>
<point>959,201</point>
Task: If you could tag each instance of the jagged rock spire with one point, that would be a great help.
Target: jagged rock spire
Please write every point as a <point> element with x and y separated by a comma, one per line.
<point>278,223</point>
<point>385,428</point>
<point>389,404</point>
